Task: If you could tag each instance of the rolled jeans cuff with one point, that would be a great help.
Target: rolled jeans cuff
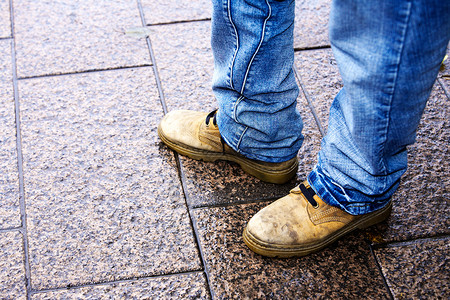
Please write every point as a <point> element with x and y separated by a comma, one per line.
<point>349,200</point>
<point>241,139</point>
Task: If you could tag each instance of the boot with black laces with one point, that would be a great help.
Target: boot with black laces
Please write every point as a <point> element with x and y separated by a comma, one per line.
<point>302,223</point>
<point>196,135</point>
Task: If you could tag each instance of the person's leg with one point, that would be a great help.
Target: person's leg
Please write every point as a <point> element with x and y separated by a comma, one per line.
<point>254,82</point>
<point>388,53</point>
<point>257,124</point>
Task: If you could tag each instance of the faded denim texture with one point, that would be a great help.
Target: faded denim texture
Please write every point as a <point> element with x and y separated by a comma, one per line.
<point>388,53</point>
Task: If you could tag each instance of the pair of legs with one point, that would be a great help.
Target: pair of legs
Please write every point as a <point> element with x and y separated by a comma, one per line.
<point>388,53</point>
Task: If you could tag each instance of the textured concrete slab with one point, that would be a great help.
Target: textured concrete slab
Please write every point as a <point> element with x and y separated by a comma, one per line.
<point>210,184</point>
<point>419,270</point>
<point>346,270</point>
<point>63,36</point>
<point>104,201</point>
<point>320,77</point>
<point>185,64</point>
<point>311,23</point>
<point>9,180</point>
<point>167,11</point>
<point>12,272</point>
<point>189,286</point>
<point>421,206</point>
<point>5,19</point>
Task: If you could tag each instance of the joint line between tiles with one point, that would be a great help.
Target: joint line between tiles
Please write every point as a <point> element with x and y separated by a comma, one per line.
<point>193,223</point>
<point>444,88</point>
<point>153,59</point>
<point>310,104</point>
<point>20,157</point>
<point>377,263</point>
<point>312,48</point>
<point>219,205</point>
<point>10,229</point>
<point>179,22</point>
<point>125,280</point>
<point>441,237</point>
<point>177,159</point>
<point>84,72</point>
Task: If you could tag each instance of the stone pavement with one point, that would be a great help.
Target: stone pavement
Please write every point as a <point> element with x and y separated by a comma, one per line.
<point>93,206</point>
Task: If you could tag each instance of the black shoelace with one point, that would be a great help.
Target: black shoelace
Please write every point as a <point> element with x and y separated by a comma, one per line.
<point>309,194</point>
<point>208,119</point>
<point>213,116</point>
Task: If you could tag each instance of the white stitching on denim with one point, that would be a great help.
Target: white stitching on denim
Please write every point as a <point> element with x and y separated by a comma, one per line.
<point>240,139</point>
<point>407,20</point>
<point>235,108</point>
<point>237,43</point>
<point>259,46</point>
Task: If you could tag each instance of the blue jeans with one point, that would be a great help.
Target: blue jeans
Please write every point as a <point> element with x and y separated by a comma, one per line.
<point>388,52</point>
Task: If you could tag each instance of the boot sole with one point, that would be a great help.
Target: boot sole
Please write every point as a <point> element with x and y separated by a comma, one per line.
<point>261,172</point>
<point>284,251</point>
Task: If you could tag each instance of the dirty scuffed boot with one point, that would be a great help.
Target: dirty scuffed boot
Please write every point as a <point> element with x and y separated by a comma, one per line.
<point>196,135</point>
<point>301,223</point>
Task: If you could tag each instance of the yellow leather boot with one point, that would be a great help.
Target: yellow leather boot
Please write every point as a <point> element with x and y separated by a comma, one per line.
<point>196,135</point>
<point>301,223</point>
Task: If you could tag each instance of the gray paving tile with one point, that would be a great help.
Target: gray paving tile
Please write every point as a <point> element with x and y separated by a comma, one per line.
<point>421,206</point>
<point>190,286</point>
<point>5,20</point>
<point>311,23</point>
<point>185,63</point>
<point>345,270</point>
<point>9,180</point>
<point>12,272</point>
<point>62,36</point>
<point>419,270</point>
<point>210,184</point>
<point>104,201</point>
<point>166,11</point>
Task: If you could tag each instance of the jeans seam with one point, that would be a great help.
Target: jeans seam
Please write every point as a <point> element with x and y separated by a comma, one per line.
<point>240,139</point>
<point>259,46</point>
<point>399,57</point>
<point>230,18</point>
<point>235,108</point>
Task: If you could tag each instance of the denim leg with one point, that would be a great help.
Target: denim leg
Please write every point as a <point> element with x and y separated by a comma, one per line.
<point>254,83</point>
<point>389,53</point>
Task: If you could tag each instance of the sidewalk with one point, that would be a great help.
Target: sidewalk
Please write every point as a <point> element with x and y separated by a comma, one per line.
<point>94,206</point>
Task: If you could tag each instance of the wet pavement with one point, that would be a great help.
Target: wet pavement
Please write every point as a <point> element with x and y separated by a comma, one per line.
<point>94,206</point>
